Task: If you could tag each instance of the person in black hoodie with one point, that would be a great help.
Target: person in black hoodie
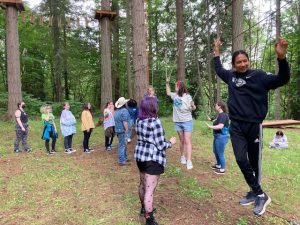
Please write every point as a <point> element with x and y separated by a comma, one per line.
<point>248,105</point>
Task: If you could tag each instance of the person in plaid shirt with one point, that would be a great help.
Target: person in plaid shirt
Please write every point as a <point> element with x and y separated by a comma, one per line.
<point>150,154</point>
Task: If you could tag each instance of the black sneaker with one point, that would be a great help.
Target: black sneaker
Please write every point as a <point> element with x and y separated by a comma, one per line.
<point>27,150</point>
<point>219,171</point>
<point>150,220</point>
<point>215,167</point>
<point>87,151</point>
<point>261,204</point>
<point>248,199</point>
<point>16,151</point>
<point>91,150</point>
<point>67,151</point>
<point>50,153</point>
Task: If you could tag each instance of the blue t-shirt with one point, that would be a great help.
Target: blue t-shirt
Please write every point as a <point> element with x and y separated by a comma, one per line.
<point>120,116</point>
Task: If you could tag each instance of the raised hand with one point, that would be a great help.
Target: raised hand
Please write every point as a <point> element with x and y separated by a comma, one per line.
<point>217,46</point>
<point>281,48</point>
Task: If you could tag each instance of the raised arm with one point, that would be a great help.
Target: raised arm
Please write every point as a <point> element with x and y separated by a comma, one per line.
<point>221,72</point>
<point>168,89</point>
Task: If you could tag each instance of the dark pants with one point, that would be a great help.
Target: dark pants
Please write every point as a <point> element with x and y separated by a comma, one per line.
<point>53,137</point>
<point>68,141</point>
<point>246,139</point>
<point>21,136</point>
<point>86,138</point>
<point>108,141</point>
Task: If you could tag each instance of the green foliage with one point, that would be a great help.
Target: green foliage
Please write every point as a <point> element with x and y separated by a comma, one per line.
<point>191,187</point>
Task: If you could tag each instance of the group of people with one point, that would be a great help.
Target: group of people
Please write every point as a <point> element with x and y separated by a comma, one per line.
<point>247,108</point>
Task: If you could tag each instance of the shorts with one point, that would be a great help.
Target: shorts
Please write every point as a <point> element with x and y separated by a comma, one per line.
<point>150,167</point>
<point>184,126</point>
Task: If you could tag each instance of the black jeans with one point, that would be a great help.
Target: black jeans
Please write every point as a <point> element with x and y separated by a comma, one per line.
<point>53,137</point>
<point>68,141</point>
<point>86,138</point>
<point>108,141</point>
<point>246,139</point>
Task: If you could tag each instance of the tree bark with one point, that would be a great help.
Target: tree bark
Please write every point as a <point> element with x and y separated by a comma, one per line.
<point>128,31</point>
<point>180,41</point>
<point>115,52</point>
<point>106,81</point>
<point>277,91</point>
<point>65,66</point>
<point>13,60</point>
<point>140,60</point>
<point>237,25</point>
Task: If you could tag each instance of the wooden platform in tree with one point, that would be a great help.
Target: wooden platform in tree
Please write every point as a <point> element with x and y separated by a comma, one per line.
<point>104,13</point>
<point>18,3</point>
<point>280,123</point>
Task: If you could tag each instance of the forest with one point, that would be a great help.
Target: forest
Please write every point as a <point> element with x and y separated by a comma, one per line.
<point>71,50</point>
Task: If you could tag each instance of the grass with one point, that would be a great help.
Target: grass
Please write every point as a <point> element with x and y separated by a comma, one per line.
<point>37,189</point>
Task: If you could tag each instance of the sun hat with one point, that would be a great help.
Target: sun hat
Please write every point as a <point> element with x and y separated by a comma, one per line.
<point>121,101</point>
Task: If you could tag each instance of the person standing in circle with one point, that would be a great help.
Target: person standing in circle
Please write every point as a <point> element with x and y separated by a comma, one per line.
<point>21,128</point>
<point>183,105</point>
<point>49,130</point>
<point>221,135</point>
<point>248,106</point>
<point>87,126</point>
<point>68,127</point>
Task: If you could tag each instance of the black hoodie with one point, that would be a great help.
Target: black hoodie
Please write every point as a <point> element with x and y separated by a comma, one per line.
<point>248,92</point>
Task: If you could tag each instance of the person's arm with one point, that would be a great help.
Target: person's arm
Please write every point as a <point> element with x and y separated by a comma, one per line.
<point>17,115</point>
<point>216,127</point>
<point>224,74</point>
<point>284,74</point>
<point>168,89</point>
<point>159,138</point>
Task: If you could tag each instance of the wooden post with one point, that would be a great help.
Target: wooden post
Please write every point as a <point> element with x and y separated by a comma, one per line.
<point>13,55</point>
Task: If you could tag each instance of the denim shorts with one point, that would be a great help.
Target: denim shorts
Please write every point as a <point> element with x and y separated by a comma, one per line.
<point>184,126</point>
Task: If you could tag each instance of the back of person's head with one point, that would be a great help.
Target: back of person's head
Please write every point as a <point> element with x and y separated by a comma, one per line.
<point>148,108</point>
<point>279,133</point>
<point>222,106</point>
<point>44,108</point>
<point>181,88</point>
<point>132,103</point>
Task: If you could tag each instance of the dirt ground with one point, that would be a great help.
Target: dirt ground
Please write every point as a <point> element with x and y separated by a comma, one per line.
<point>173,207</point>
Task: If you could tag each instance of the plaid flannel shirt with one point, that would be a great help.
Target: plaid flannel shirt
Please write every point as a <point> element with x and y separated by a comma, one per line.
<point>151,143</point>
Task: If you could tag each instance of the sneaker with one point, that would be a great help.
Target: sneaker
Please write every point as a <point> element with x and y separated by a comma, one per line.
<point>261,204</point>
<point>219,171</point>
<point>108,148</point>
<point>248,199</point>
<point>129,140</point>
<point>189,164</point>
<point>87,151</point>
<point>53,151</point>
<point>16,151</point>
<point>68,151</point>
<point>27,150</point>
<point>50,153</point>
<point>72,150</point>
<point>91,150</point>
<point>183,160</point>
<point>215,167</point>
<point>150,220</point>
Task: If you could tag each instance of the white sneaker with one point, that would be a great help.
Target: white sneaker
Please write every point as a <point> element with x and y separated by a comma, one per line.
<point>189,164</point>
<point>128,140</point>
<point>183,160</point>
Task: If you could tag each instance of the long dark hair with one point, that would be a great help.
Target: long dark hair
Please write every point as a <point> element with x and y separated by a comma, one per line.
<point>222,106</point>
<point>181,88</point>
<point>236,53</point>
<point>86,107</point>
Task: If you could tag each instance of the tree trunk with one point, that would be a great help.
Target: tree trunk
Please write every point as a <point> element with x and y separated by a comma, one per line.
<point>129,49</point>
<point>140,60</point>
<point>115,52</point>
<point>296,113</point>
<point>65,66</point>
<point>180,41</point>
<point>13,60</point>
<point>237,25</point>
<point>106,81</point>
<point>57,60</point>
<point>209,74</point>
<point>277,91</point>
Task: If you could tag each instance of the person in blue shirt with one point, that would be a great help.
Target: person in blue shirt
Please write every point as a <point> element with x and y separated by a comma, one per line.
<point>133,112</point>
<point>121,128</point>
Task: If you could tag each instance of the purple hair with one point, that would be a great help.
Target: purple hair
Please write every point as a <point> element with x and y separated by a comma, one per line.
<point>148,108</point>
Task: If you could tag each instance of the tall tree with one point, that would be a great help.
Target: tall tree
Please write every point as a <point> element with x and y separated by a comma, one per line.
<point>209,73</point>
<point>237,25</point>
<point>140,59</point>
<point>277,91</point>
<point>57,49</point>
<point>12,59</point>
<point>128,33</point>
<point>115,52</point>
<point>106,82</point>
<point>180,40</point>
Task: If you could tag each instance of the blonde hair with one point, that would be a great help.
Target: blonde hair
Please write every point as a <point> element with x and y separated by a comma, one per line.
<point>43,108</point>
<point>149,88</point>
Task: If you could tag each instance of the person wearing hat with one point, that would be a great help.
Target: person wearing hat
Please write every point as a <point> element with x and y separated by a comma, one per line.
<point>121,128</point>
